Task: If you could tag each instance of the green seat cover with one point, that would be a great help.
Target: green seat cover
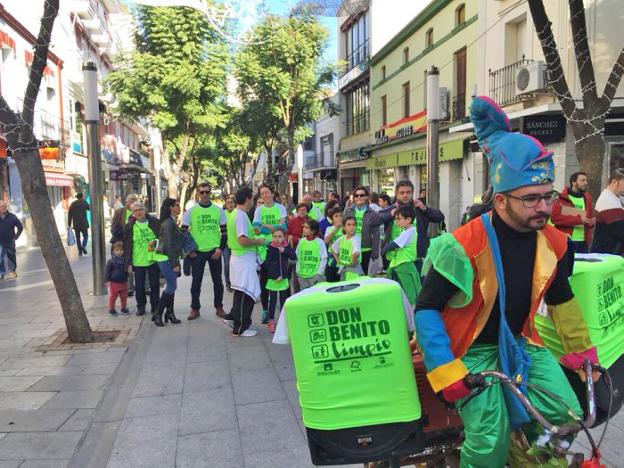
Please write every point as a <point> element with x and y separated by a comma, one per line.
<point>352,357</point>
<point>599,289</point>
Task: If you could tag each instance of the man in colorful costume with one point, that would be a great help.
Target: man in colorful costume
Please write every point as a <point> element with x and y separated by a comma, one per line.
<point>509,259</point>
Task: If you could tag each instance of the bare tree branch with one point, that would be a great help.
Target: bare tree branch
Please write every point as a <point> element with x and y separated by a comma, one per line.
<point>582,53</point>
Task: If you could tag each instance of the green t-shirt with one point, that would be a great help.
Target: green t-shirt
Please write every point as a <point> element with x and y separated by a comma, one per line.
<point>407,247</point>
<point>272,216</point>
<point>236,223</point>
<point>142,235</point>
<point>127,215</point>
<point>320,205</point>
<point>346,248</point>
<point>578,232</point>
<point>205,225</point>
<point>308,257</point>
<point>395,231</point>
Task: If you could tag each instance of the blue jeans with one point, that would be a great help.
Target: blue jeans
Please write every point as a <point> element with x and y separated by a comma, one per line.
<point>171,278</point>
<point>84,233</point>
<point>8,259</point>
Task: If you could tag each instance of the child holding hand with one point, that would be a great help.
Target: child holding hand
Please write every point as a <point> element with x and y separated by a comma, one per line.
<point>276,263</point>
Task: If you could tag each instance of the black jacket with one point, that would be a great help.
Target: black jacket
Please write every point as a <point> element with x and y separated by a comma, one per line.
<point>423,218</point>
<point>115,272</point>
<point>10,228</point>
<point>77,216</point>
<point>171,241</point>
<point>154,225</point>
<point>276,262</point>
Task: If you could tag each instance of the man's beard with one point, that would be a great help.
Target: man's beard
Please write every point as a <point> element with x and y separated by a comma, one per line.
<point>526,224</point>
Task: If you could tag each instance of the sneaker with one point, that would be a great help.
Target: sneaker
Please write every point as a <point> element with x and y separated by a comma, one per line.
<point>125,311</point>
<point>271,326</point>
<point>10,275</point>
<point>247,333</point>
<point>112,312</point>
<point>229,323</point>
<point>265,317</point>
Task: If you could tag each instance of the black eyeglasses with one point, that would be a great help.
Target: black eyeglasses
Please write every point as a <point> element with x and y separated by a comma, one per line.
<point>359,195</point>
<point>531,201</point>
<point>204,192</point>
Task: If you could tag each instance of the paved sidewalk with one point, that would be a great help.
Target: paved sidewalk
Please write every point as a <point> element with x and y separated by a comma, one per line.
<point>186,395</point>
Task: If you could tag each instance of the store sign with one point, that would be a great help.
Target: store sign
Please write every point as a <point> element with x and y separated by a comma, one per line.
<point>118,175</point>
<point>414,157</point>
<point>134,157</point>
<point>352,74</point>
<point>53,165</point>
<point>451,151</point>
<point>545,128</point>
<point>403,128</point>
<point>382,162</point>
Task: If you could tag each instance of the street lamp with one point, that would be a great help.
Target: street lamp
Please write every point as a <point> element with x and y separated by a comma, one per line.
<point>92,122</point>
<point>433,139</point>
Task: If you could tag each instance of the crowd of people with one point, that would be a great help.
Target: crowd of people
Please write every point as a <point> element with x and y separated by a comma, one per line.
<point>260,247</point>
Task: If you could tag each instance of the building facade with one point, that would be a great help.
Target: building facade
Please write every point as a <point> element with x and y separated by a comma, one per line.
<point>84,31</point>
<point>511,70</point>
<point>440,35</point>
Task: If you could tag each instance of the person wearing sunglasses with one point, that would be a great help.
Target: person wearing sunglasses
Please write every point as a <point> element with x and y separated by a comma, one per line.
<point>484,285</point>
<point>367,225</point>
<point>207,225</point>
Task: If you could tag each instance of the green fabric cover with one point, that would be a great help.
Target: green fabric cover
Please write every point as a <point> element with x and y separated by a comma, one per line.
<point>407,276</point>
<point>274,285</point>
<point>449,258</point>
<point>352,356</point>
<point>599,290</point>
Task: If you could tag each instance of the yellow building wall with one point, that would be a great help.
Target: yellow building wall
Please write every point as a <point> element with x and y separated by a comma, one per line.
<point>447,39</point>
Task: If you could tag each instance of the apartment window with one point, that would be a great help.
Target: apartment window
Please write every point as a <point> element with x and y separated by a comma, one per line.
<point>460,15</point>
<point>384,110</point>
<point>358,110</point>
<point>405,55</point>
<point>357,41</point>
<point>406,99</point>
<point>327,150</point>
<point>459,101</point>
<point>429,38</point>
<point>383,72</point>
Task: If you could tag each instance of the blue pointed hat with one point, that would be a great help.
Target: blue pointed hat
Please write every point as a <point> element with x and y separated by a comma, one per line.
<point>516,160</point>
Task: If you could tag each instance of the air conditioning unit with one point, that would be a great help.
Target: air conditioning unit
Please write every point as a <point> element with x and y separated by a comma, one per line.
<point>530,78</point>
<point>444,104</point>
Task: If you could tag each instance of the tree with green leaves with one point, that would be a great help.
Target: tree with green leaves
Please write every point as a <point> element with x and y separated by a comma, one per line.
<point>281,83</point>
<point>176,78</point>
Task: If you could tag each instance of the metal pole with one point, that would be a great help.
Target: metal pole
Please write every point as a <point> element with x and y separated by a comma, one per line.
<point>433,140</point>
<point>92,122</point>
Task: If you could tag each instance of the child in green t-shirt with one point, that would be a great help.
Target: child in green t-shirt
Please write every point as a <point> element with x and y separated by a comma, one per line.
<point>311,256</point>
<point>402,268</point>
<point>348,252</point>
<point>333,233</point>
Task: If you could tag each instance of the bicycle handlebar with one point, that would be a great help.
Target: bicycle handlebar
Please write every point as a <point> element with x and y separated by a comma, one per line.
<point>477,381</point>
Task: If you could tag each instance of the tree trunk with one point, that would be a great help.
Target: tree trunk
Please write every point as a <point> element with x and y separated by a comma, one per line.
<point>25,152</point>
<point>590,153</point>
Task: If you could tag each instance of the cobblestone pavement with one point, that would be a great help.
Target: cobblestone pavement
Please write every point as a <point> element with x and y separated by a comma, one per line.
<point>185,395</point>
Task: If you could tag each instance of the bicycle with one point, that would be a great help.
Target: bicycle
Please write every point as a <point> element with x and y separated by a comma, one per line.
<point>445,452</point>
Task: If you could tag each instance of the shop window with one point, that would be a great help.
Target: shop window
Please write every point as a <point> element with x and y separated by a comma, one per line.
<point>429,38</point>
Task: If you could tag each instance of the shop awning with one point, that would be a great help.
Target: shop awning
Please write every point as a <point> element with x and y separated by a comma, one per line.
<point>54,179</point>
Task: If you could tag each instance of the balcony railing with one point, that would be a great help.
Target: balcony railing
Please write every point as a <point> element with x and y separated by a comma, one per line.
<point>319,161</point>
<point>503,83</point>
<point>357,56</point>
<point>459,107</point>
